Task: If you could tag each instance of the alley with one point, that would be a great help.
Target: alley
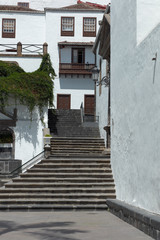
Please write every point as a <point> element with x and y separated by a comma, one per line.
<point>66,226</point>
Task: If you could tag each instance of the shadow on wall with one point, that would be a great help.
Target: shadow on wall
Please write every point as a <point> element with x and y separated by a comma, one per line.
<point>76,83</point>
<point>28,128</point>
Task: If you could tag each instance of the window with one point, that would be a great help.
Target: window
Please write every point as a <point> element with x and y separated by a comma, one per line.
<point>23,4</point>
<point>89,27</point>
<point>78,55</point>
<point>8,28</point>
<point>67,26</point>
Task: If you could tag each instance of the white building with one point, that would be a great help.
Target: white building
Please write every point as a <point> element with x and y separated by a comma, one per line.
<point>135,102</point>
<point>69,33</point>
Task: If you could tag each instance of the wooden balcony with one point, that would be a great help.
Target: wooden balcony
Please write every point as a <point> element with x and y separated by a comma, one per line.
<point>75,68</point>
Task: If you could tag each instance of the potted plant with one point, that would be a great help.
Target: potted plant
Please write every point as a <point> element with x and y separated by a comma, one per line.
<point>47,140</point>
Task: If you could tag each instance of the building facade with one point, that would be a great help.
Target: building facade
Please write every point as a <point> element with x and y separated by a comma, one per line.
<point>67,34</point>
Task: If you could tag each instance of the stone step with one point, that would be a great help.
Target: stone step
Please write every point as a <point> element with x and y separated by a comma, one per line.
<point>77,145</point>
<point>72,165</point>
<point>65,189</point>
<point>66,175</point>
<point>75,161</point>
<point>80,156</point>
<point>77,139</point>
<point>52,207</point>
<point>77,149</point>
<point>60,182</point>
<point>59,201</point>
<point>29,196</point>
<point>69,170</point>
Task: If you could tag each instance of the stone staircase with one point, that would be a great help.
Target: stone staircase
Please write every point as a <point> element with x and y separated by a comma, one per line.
<point>67,123</point>
<point>74,180</point>
<point>76,176</point>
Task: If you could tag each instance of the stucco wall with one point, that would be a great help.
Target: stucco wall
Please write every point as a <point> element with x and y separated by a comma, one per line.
<point>135,110</point>
<point>102,103</point>
<point>30,28</point>
<point>148,17</point>
<point>28,133</point>
<point>29,64</point>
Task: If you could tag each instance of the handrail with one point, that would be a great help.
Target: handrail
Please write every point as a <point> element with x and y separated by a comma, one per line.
<point>29,163</point>
<point>76,66</point>
<point>82,112</point>
<point>22,49</point>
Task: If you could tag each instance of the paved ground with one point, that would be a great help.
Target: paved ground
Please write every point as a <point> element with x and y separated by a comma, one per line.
<point>66,226</point>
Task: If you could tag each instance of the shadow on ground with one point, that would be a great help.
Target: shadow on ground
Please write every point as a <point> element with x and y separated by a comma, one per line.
<point>43,230</point>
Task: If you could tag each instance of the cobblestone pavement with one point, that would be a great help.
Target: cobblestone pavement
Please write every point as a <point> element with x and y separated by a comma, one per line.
<point>66,226</point>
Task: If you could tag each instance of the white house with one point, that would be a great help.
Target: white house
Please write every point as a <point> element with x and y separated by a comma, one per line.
<point>67,34</point>
<point>135,102</point>
<point>71,53</point>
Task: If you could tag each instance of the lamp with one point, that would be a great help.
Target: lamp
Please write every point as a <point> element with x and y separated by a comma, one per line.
<point>104,81</point>
<point>95,74</point>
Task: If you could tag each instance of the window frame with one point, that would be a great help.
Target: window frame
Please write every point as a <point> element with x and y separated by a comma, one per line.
<point>89,33</point>
<point>7,34</point>
<point>22,4</point>
<point>83,60</point>
<point>67,33</point>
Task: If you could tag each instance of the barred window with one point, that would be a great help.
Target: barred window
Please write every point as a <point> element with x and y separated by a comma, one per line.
<point>23,4</point>
<point>8,28</point>
<point>89,27</point>
<point>67,26</point>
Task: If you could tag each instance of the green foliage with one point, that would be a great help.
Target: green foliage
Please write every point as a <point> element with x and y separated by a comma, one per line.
<point>7,69</point>
<point>6,137</point>
<point>46,66</point>
<point>31,89</point>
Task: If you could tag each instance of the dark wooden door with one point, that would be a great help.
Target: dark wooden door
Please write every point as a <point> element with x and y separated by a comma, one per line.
<point>63,101</point>
<point>89,104</point>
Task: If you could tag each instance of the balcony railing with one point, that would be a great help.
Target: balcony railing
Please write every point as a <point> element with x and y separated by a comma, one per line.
<point>75,68</point>
<point>20,49</point>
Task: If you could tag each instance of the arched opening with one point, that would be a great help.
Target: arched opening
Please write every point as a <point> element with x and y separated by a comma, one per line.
<point>7,144</point>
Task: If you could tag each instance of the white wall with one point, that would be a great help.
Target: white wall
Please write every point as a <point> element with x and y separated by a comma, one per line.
<point>41,4</point>
<point>77,87</point>
<point>135,110</point>
<point>148,17</point>
<point>29,64</point>
<point>28,133</point>
<point>102,102</point>
<point>30,28</point>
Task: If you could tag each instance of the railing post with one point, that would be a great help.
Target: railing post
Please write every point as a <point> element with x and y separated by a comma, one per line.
<point>45,48</point>
<point>19,49</point>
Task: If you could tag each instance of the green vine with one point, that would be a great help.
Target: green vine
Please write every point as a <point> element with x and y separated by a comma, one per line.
<point>32,89</point>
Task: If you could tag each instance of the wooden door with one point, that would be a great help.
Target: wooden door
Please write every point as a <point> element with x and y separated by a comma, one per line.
<point>63,101</point>
<point>89,104</point>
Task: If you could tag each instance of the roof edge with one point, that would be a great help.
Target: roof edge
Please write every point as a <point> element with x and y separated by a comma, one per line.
<point>99,31</point>
<point>73,10</point>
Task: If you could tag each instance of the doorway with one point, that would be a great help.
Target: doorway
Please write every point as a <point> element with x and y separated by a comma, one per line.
<point>63,101</point>
<point>89,104</point>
